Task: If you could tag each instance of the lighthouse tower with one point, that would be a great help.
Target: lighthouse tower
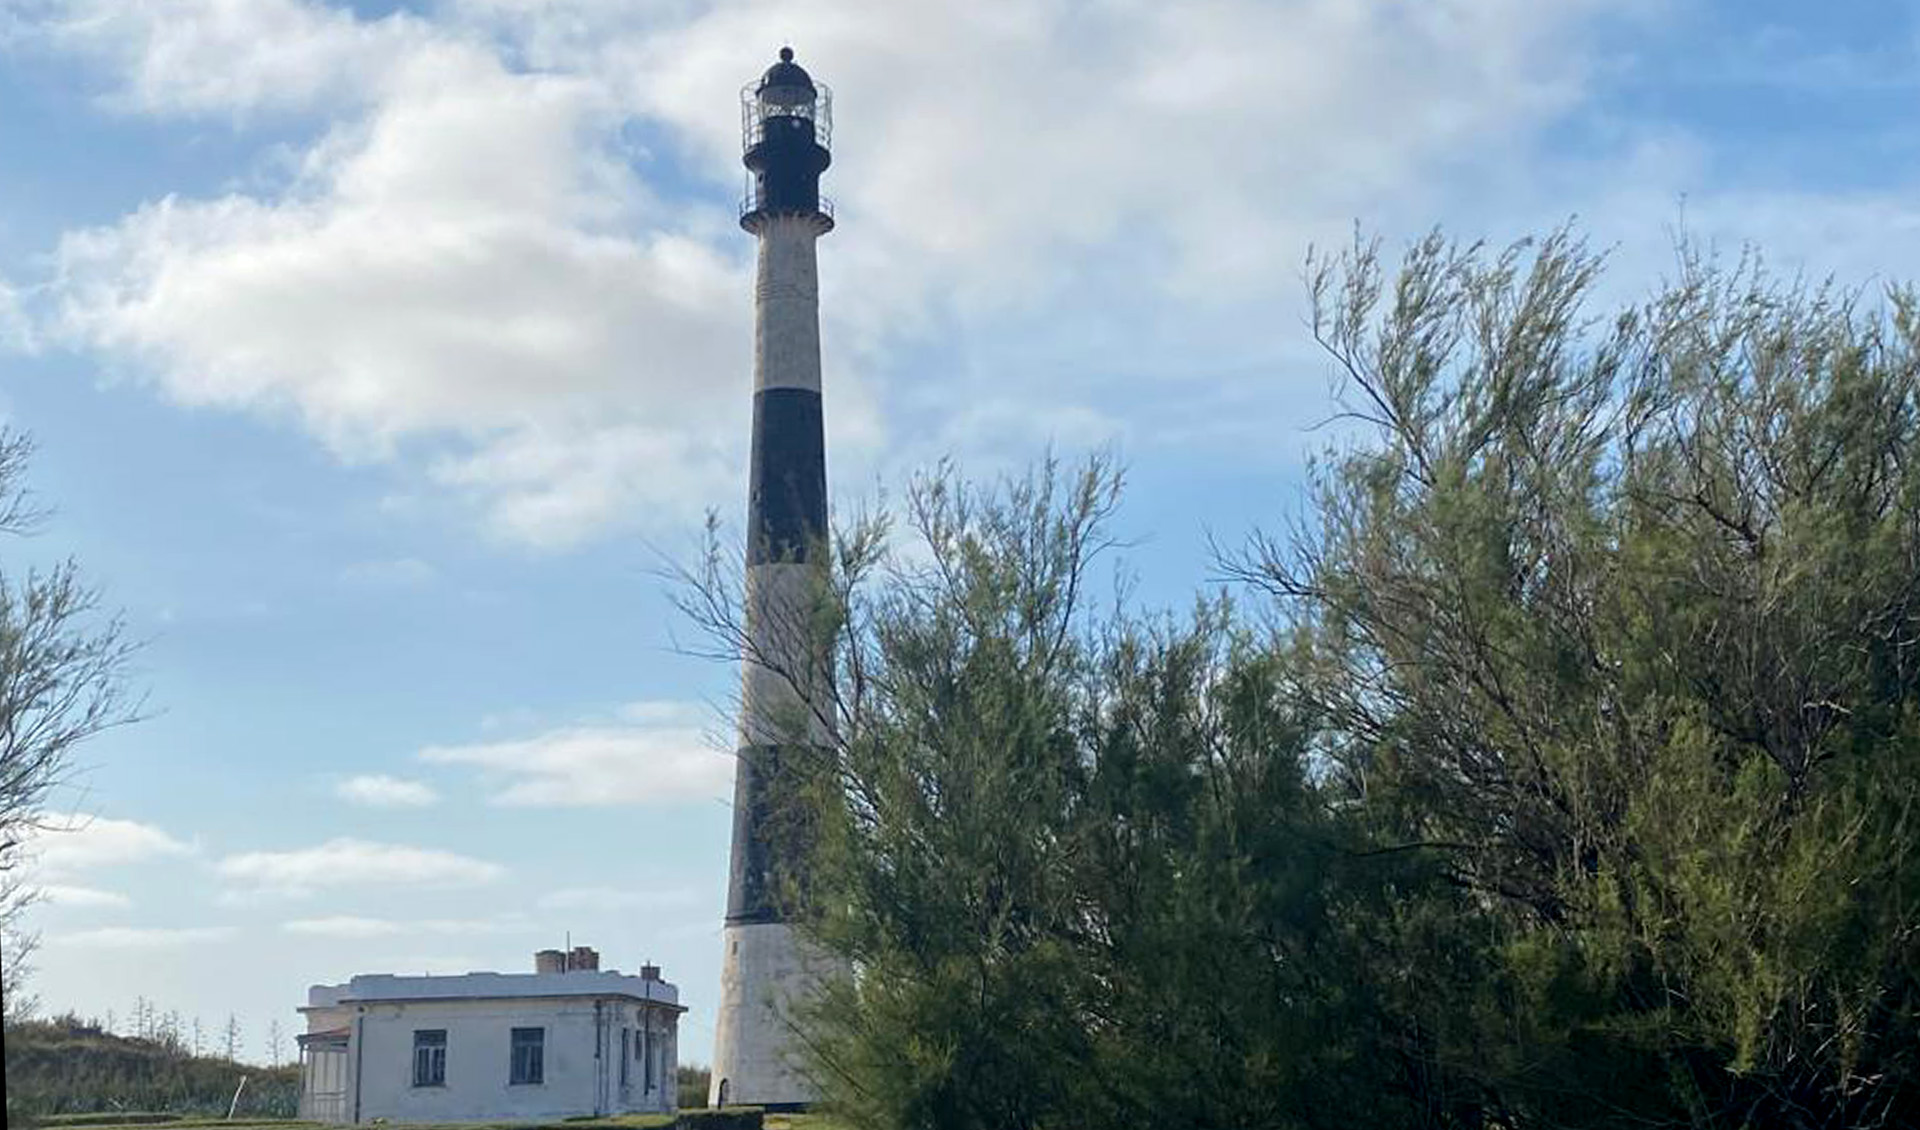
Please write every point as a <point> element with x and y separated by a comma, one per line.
<point>766,968</point>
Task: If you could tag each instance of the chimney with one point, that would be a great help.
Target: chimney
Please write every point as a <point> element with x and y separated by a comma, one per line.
<point>583,957</point>
<point>549,961</point>
<point>649,972</point>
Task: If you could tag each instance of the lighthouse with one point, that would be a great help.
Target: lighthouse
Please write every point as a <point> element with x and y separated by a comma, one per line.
<point>766,969</point>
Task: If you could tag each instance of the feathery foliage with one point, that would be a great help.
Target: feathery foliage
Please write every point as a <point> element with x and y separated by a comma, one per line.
<point>1561,771</point>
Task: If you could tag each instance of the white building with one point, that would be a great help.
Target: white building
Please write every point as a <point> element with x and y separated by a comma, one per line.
<point>567,1039</point>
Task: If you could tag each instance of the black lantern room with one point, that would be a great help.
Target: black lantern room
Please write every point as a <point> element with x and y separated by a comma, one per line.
<point>786,126</point>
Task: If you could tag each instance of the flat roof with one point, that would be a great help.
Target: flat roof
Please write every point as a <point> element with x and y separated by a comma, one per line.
<point>372,987</point>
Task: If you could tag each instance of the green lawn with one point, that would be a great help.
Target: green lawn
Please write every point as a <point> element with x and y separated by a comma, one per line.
<point>635,1121</point>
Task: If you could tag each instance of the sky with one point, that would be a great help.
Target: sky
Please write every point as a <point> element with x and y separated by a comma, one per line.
<point>380,356</point>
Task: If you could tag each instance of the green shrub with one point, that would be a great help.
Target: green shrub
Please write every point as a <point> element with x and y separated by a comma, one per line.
<point>692,1081</point>
<point>722,1118</point>
<point>54,1070</point>
<point>109,1118</point>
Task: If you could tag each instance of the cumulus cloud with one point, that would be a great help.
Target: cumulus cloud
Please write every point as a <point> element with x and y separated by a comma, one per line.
<point>145,937</point>
<point>76,842</point>
<point>660,756</point>
<point>16,328</point>
<point>467,264</point>
<point>217,57</point>
<point>1065,125</point>
<point>376,790</point>
<point>488,266</point>
<point>347,862</point>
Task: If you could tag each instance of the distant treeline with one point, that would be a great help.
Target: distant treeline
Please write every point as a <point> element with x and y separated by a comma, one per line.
<point>66,1065</point>
<point>693,1080</point>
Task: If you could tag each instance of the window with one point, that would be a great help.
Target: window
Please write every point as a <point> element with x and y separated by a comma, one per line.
<point>529,1056</point>
<point>646,1055</point>
<point>429,1057</point>
<point>626,1041</point>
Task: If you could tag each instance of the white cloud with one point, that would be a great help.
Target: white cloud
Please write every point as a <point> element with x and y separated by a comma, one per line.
<point>487,270</point>
<point>352,926</point>
<point>145,937</point>
<point>62,894</point>
<point>16,328</point>
<point>467,265</point>
<point>1220,132</point>
<point>376,790</point>
<point>76,842</point>
<point>226,57</point>
<point>664,758</point>
<point>347,862</point>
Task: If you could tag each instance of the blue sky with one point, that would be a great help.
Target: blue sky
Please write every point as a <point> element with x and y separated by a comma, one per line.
<point>376,355</point>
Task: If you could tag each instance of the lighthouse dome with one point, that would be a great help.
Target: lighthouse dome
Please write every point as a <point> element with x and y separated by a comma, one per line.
<point>786,81</point>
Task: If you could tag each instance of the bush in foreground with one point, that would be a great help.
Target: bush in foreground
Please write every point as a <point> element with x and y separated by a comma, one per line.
<point>1568,779</point>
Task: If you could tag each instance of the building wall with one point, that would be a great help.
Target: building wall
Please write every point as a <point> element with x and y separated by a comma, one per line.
<point>325,1084</point>
<point>577,1081</point>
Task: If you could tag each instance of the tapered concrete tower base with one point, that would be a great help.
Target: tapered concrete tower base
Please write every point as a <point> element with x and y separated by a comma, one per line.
<point>766,966</point>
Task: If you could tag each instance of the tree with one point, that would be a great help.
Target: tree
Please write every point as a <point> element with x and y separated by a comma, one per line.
<point>63,667</point>
<point>274,1042</point>
<point>17,947</point>
<point>230,1037</point>
<point>170,1036</point>
<point>1071,856</point>
<point>1568,779</point>
<point>1616,617</point>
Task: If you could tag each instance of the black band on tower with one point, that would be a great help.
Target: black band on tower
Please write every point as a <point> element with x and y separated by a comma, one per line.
<point>787,486</point>
<point>764,837</point>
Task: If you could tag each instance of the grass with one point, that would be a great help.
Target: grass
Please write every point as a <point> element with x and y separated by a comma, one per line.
<point>129,1120</point>
<point>619,1121</point>
<point>626,1121</point>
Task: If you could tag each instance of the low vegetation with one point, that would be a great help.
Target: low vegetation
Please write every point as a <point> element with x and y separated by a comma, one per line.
<point>67,1067</point>
<point>692,1080</point>
<point>732,1118</point>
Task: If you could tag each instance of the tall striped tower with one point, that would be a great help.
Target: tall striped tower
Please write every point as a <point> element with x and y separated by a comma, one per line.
<point>787,121</point>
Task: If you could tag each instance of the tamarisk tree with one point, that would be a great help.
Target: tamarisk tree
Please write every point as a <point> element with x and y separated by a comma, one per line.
<point>63,668</point>
<point>1559,766</point>
<point>1618,620</point>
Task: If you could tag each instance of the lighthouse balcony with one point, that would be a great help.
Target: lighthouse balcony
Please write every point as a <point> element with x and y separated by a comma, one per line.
<point>754,206</point>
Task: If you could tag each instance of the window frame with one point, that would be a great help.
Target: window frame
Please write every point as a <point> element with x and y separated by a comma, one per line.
<point>433,1042</point>
<point>530,1069</point>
